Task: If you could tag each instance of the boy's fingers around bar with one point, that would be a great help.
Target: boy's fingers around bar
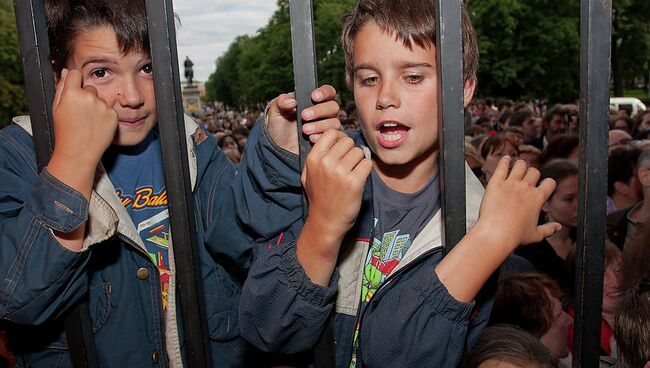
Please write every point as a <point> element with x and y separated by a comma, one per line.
<point>323,93</point>
<point>327,140</point>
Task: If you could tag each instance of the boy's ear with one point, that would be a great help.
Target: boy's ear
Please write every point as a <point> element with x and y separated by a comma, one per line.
<point>470,87</point>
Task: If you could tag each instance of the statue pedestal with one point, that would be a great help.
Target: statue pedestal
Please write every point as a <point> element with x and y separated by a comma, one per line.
<point>191,98</point>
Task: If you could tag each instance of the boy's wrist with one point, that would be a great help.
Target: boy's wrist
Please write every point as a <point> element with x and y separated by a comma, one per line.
<point>489,237</point>
<point>77,174</point>
<point>329,231</point>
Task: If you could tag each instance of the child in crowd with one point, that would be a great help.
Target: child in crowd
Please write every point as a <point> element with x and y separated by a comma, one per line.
<point>533,301</point>
<point>368,262</point>
<point>94,225</point>
<point>503,346</point>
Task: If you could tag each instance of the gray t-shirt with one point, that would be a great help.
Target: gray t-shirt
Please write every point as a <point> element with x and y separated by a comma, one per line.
<point>399,218</point>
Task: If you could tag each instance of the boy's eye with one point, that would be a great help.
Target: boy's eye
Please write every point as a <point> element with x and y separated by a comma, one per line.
<point>414,79</point>
<point>369,81</point>
<point>99,73</point>
<point>148,69</point>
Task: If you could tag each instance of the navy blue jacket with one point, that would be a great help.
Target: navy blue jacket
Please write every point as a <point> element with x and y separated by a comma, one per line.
<point>40,280</point>
<point>411,321</point>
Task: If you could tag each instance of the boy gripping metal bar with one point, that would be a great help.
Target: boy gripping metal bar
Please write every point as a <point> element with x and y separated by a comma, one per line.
<point>39,83</point>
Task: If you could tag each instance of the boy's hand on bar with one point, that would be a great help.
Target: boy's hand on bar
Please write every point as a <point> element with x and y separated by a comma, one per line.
<point>334,177</point>
<point>317,119</point>
<point>512,204</point>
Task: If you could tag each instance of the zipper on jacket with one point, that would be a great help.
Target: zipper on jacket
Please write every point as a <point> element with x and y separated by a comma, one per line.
<point>362,310</point>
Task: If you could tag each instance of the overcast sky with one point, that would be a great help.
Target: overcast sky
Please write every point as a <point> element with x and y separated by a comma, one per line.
<point>209,26</point>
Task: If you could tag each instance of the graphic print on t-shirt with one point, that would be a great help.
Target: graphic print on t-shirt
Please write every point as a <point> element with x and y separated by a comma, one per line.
<point>154,230</point>
<point>382,259</point>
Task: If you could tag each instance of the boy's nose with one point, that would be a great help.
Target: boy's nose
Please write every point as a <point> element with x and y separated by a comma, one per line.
<point>129,95</point>
<point>387,98</point>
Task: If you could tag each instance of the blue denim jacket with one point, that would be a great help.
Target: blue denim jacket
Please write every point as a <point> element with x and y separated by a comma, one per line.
<point>412,320</point>
<point>40,280</point>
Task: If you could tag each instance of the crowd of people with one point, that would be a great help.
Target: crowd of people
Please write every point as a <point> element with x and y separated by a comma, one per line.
<point>536,289</point>
<point>535,292</point>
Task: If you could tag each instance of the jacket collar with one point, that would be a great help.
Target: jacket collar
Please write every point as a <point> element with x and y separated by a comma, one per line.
<point>106,214</point>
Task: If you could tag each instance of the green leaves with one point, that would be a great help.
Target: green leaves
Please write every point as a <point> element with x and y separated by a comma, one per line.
<point>256,69</point>
<point>12,93</point>
<point>528,48</point>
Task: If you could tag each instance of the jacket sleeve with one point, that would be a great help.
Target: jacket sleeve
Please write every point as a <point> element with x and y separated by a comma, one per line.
<point>281,310</point>
<point>426,319</point>
<point>39,278</point>
<point>268,192</point>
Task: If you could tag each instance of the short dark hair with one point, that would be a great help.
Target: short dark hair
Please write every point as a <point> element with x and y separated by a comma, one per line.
<point>67,19</point>
<point>557,109</point>
<point>411,21</point>
<point>560,146</point>
<point>510,344</point>
<point>524,300</point>
<point>521,116</point>
<point>632,326</point>
<point>621,166</point>
<point>558,170</point>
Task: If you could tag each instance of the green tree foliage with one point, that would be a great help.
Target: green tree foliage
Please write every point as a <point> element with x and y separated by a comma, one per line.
<point>224,85</point>
<point>630,42</point>
<point>529,48</point>
<point>256,69</point>
<point>12,92</point>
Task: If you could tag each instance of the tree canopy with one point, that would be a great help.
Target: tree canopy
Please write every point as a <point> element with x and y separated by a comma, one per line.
<point>257,68</point>
<point>528,48</point>
<point>12,92</point>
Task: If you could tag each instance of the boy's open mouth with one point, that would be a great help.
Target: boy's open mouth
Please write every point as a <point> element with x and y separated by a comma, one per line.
<point>392,134</point>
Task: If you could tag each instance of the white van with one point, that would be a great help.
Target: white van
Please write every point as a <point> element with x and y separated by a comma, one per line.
<point>631,103</point>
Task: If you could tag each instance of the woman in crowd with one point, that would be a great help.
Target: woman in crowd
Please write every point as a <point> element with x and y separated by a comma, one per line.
<point>549,255</point>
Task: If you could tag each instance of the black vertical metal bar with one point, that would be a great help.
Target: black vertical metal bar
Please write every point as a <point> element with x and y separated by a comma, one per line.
<point>39,84</point>
<point>39,78</point>
<point>305,72</point>
<point>162,36</point>
<point>451,123</point>
<point>595,61</point>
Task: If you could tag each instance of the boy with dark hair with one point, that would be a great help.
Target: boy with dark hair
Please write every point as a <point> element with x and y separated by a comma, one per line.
<point>370,250</point>
<point>94,225</point>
